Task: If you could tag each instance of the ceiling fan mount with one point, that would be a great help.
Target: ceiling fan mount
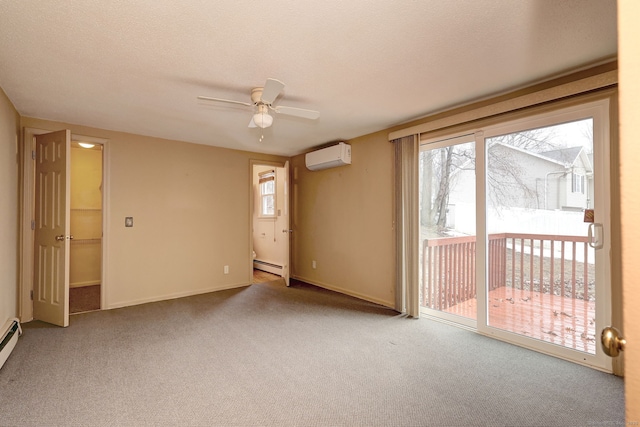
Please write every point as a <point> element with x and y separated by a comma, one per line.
<point>256,95</point>
<point>262,99</point>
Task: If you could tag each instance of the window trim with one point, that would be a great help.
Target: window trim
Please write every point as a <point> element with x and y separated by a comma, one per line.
<point>263,178</point>
<point>599,78</point>
<point>577,183</point>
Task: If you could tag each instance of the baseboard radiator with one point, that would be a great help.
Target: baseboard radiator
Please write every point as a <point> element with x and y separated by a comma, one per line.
<point>267,266</point>
<point>8,339</point>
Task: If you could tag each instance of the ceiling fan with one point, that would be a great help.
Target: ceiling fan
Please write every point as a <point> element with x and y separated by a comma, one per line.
<point>262,99</point>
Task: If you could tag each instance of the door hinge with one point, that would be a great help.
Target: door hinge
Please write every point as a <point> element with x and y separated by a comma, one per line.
<point>31,294</point>
<point>33,224</point>
<point>33,155</point>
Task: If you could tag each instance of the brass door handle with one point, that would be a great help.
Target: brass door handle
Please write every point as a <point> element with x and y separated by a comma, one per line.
<point>60,238</point>
<point>612,342</point>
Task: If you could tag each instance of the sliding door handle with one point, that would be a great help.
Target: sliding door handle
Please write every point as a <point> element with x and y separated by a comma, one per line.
<point>596,235</point>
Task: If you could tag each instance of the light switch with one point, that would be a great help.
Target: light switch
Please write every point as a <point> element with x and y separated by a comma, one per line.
<point>128,221</point>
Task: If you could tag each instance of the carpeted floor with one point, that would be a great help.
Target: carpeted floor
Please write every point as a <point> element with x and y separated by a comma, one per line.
<point>86,298</point>
<point>269,355</point>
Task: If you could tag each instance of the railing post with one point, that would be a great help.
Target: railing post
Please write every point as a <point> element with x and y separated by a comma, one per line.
<point>552,259</point>
<point>425,276</point>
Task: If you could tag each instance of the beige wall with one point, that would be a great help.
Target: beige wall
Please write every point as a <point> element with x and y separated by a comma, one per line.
<point>190,205</point>
<point>9,129</point>
<point>343,219</point>
<point>629,51</point>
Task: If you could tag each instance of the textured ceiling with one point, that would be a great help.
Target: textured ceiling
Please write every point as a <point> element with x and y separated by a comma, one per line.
<point>137,66</point>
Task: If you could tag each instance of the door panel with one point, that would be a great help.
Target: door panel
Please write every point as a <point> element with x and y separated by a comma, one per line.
<point>547,278</point>
<point>51,255</point>
<point>540,184</point>
<point>286,231</point>
<point>447,195</point>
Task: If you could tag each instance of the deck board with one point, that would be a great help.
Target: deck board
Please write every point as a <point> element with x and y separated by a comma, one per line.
<point>555,319</point>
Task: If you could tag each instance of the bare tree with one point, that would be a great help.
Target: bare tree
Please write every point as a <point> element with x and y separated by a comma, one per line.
<point>439,168</point>
<point>427,171</point>
<point>586,128</point>
<point>534,140</point>
<point>438,178</point>
<point>505,176</point>
<point>442,198</point>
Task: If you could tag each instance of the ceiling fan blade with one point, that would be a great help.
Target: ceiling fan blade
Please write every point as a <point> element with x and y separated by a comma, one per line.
<point>297,112</point>
<point>206,98</point>
<point>252,124</point>
<point>272,89</point>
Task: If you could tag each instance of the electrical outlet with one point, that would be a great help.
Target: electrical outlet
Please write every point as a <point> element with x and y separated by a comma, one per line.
<point>226,269</point>
<point>128,221</point>
<point>313,264</point>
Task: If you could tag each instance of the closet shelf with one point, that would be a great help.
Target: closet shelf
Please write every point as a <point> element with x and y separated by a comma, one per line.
<point>86,241</point>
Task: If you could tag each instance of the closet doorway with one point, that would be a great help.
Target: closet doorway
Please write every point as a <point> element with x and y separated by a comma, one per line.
<point>85,260</point>
<point>46,296</point>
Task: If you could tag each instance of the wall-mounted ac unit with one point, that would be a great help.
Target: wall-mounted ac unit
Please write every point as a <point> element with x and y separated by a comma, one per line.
<point>330,157</point>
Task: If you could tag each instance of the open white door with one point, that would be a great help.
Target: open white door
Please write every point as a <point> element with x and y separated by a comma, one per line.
<point>286,256</point>
<point>52,205</point>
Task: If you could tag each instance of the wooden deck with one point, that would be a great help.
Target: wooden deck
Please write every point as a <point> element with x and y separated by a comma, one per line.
<point>568,322</point>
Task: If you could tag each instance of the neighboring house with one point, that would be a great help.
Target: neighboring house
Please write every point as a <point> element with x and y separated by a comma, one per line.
<point>573,187</point>
<point>556,179</point>
<point>559,179</point>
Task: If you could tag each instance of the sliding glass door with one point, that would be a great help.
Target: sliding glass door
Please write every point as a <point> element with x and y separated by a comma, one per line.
<point>514,231</point>
<point>447,206</point>
<point>541,264</point>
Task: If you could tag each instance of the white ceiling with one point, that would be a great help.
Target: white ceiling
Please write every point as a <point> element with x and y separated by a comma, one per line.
<point>366,65</point>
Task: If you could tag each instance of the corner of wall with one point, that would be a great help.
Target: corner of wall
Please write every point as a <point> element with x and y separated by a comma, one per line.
<point>9,138</point>
<point>343,222</point>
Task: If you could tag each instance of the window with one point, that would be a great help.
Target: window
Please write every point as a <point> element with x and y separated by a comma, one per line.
<point>267,181</point>
<point>577,183</point>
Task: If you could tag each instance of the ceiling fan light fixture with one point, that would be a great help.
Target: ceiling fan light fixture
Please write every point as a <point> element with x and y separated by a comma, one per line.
<point>262,99</point>
<point>262,119</point>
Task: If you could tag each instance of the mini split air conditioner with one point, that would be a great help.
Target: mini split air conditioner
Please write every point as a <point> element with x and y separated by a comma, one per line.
<point>330,157</point>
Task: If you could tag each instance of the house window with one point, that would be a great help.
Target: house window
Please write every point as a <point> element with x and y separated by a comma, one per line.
<point>577,183</point>
<point>267,181</point>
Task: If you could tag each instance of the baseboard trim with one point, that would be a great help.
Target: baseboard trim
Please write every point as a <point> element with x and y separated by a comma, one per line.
<point>83,284</point>
<point>176,295</point>
<point>338,289</point>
